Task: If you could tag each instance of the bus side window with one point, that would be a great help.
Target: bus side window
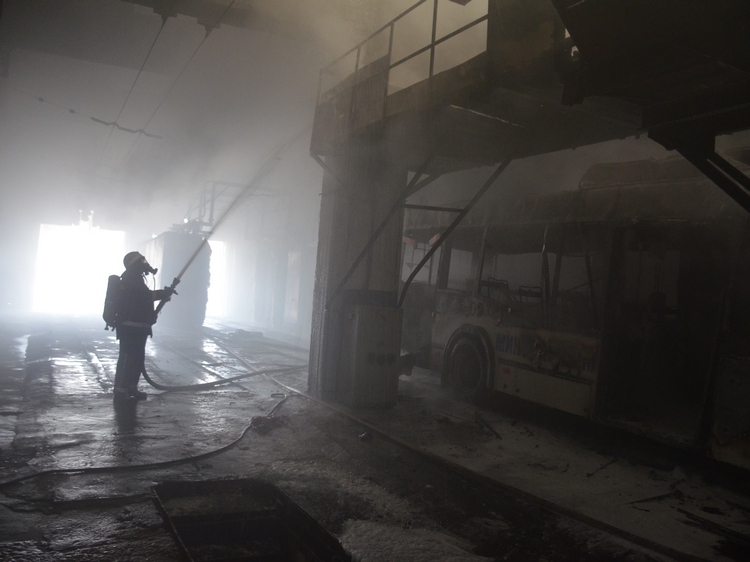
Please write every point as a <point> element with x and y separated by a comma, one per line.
<point>572,307</point>
<point>577,281</point>
<point>495,289</point>
<point>413,252</point>
<point>517,277</point>
<point>460,270</point>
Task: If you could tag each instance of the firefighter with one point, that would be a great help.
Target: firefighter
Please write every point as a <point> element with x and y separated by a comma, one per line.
<point>135,316</point>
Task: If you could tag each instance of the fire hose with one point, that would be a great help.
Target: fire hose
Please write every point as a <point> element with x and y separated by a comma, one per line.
<point>262,172</point>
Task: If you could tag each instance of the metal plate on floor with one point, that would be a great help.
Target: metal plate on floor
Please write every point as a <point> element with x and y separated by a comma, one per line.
<point>242,520</point>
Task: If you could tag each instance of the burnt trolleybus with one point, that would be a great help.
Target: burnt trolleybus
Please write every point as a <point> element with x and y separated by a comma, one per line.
<point>626,301</point>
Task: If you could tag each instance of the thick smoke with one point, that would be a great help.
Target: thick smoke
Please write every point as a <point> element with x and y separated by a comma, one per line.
<point>211,114</point>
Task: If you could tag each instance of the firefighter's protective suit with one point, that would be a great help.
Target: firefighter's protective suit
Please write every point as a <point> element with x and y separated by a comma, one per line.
<point>135,317</point>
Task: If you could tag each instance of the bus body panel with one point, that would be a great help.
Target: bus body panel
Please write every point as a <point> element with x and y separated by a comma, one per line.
<point>567,395</point>
<point>550,368</point>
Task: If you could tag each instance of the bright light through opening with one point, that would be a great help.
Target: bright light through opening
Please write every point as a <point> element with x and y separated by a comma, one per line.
<point>72,267</point>
<point>217,290</point>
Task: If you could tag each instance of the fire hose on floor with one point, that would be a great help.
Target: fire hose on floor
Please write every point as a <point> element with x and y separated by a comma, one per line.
<point>229,380</point>
<point>259,423</point>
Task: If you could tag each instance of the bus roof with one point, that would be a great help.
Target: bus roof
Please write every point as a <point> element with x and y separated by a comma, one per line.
<point>645,190</point>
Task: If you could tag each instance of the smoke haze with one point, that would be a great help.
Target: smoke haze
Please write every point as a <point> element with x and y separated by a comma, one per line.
<point>194,110</point>
<point>213,107</point>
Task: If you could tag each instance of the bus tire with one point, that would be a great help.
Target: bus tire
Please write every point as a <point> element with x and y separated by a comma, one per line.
<point>467,368</point>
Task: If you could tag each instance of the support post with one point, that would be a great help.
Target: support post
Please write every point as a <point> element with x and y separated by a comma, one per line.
<point>499,170</point>
<point>359,190</point>
<point>731,181</point>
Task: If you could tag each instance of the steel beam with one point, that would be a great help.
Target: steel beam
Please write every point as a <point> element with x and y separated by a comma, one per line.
<point>499,170</point>
<point>727,177</point>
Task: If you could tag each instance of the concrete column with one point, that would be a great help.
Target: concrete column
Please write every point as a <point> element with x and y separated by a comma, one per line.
<point>265,265</point>
<point>366,185</point>
<point>281,270</point>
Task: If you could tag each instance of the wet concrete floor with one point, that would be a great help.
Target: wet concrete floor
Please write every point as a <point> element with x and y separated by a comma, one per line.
<point>430,479</point>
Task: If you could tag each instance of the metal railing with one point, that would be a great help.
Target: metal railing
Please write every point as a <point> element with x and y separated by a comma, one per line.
<point>390,29</point>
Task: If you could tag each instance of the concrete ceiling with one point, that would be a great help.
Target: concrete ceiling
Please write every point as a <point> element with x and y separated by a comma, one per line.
<point>81,82</point>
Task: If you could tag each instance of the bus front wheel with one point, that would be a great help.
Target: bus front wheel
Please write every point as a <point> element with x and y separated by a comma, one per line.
<point>467,369</point>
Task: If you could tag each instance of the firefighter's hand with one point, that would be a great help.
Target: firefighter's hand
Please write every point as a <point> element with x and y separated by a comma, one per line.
<point>165,294</point>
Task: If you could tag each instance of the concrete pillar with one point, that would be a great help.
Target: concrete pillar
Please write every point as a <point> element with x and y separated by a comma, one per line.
<point>281,270</point>
<point>265,265</point>
<point>366,185</point>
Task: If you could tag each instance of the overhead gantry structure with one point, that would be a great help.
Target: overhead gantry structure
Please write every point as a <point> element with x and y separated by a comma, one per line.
<point>686,64</point>
<point>553,75</point>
